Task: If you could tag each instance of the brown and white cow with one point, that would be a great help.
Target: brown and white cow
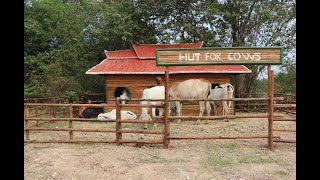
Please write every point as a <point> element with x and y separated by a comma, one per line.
<point>190,89</point>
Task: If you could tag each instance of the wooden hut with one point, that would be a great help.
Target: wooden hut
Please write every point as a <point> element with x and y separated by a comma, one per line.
<point>135,69</point>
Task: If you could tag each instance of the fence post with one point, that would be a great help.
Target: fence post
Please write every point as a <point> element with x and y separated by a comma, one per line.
<point>118,123</point>
<point>27,121</point>
<point>36,107</point>
<point>270,107</point>
<point>287,102</point>
<point>54,108</point>
<point>70,109</point>
<point>166,111</point>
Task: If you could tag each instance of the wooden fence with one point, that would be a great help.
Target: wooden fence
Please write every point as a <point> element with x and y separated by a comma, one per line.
<point>260,106</point>
<point>119,131</point>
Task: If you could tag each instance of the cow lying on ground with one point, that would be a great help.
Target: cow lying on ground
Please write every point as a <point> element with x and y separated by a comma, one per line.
<point>189,89</point>
<point>156,92</point>
<point>112,115</point>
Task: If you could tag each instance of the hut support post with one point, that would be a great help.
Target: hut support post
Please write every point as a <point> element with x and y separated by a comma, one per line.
<point>118,123</point>
<point>70,109</point>
<point>27,122</point>
<point>270,107</point>
<point>166,111</point>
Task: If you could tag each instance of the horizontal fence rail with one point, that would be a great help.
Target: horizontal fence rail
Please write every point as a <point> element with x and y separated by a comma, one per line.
<point>118,128</point>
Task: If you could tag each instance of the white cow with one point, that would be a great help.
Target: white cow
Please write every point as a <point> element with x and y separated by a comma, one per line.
<point>190,89</point>
<point>124,95</point>
<point>156,92</point>
<point>230,90</point>
<point>112,115</point>
<point>219,93</point>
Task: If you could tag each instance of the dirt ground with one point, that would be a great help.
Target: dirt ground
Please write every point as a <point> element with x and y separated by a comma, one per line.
<point>229,159</point>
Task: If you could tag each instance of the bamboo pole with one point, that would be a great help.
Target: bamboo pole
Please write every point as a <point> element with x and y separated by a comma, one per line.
<point>141,131</point>
<point>96,130</point>
<point>217,137</point>
<point>71,129</point>
<point>285,105</point>
<point>195,100</point>
<point>166,111</point>
<point>70,122</point>
<point>142,121</point>
<point>142,141</point>
<point>70,141</point>
<point>54,109</point>
<point>141,105</point>
<point>270,108</point>
<point>287,102</point>
<point>66,105</point>
<point>262,115</point>
<point>36,108</point>
<point>27,122</point>
<point>284,130</point>
<point>73,119</point>
<point>285,140</point>
<point>118,123</point>
<point>138,105</point>
<point>283,119</point>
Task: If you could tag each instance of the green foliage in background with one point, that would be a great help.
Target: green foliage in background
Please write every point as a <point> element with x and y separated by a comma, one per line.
<point>65,38</point>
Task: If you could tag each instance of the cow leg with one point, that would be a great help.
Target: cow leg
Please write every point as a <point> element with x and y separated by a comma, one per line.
<point>215,109</point>
<point>225,109</point>
<point>145,124</point>
<point>178,106</point>
<point>147,118</point>
<point>154,115</point>
<point>160,112</point>
<point>202,108</point>
<point>208,109</point>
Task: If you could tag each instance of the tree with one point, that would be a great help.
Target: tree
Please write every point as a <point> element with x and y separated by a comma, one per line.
<point>63,39</point>
<point>257,23</point>
<point>223,24</point>
<point>287,78</point>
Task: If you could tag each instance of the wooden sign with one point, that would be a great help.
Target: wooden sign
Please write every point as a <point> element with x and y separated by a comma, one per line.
<point>215,56</point>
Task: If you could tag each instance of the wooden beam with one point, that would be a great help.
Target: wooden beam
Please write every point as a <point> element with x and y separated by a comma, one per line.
<point>166,111</point>
<point>270,108</point>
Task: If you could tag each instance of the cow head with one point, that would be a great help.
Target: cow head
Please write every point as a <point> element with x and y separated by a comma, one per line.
<point>173,110</point>
<point>131,115</point>
<point>103,116</point>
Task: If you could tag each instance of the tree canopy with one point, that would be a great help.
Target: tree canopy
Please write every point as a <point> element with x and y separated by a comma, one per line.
<point>64,38</point>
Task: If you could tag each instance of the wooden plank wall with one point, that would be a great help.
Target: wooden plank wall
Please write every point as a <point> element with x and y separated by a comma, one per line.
<point>136,83</point>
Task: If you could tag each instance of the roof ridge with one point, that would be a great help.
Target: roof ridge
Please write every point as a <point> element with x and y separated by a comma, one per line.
<point>119,50</point>
<point>170,44</point>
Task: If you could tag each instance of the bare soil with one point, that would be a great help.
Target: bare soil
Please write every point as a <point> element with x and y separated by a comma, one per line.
<point>185,159</point>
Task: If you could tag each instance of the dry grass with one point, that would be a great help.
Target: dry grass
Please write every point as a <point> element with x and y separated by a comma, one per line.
<point>185,159</point>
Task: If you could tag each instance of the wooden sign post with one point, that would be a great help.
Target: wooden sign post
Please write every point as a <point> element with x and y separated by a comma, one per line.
<point>220,56</point>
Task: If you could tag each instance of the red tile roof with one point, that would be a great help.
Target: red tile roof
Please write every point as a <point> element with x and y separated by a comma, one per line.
<point>136,66</point>
<point>148,51</point>
<point>121,54</point>
<point>134,62</point>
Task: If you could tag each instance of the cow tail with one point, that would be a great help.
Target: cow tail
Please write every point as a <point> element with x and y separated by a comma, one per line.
<point>210,86</point>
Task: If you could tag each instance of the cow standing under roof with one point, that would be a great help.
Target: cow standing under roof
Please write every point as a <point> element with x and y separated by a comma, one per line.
<point>219,93</point>
<point>156,92</point>
<point>190,89</point>
<point>230,90</point>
